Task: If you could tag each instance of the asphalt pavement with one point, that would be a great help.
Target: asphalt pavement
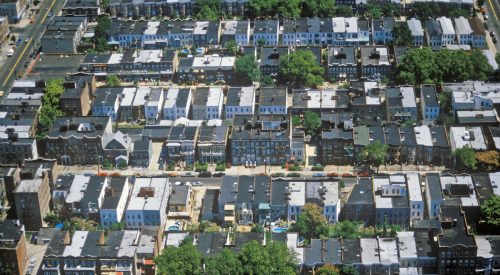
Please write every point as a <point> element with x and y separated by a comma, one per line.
<point>12,66</point>
<point>492,24</point>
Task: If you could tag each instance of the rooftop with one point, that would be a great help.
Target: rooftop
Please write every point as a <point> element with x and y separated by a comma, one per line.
<point>361,193</point>
<point>240,96</point>
<point>454,228</point>
<point>468,136</point>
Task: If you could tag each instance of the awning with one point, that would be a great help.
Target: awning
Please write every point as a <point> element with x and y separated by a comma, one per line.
<point>229,207</point>
<point>229,218</point>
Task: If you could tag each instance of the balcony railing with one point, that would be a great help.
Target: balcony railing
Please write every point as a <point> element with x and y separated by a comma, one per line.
<point>79,268</point>
<point>50,267</point>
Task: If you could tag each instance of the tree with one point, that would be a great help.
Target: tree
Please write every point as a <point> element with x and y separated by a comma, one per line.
<point>465,159</point>
<point>480,3</point>
<point>100,34</point>
<point>299,68</point>
<point>214,5</point>
<point>311,223</point>
<point>445,120</point>
<point>257,229</point>
<point>174,15</point>
<point>116,226</point>
<point>225,263</point>
<point>497,58</point>
<point>105,162</point>
<point>50,108</point>
<point>289,8</point>
<point>266,81</point>
<point>349,270</point>
<point>231,47</point>
<point>276,258</point>
<point>207,14</point>
<point>296,121</point>
<point>262,41</point>
<point>36,2</point>
<point>246,68</point>
<point>341,184</point>
<point>425,10</point>
<point>311,121</point>
<point>318,8</point>
<point>123,164</point>
<point>402,35</point>
<point>481,67</point>
<point>391,10</point>
<point>135,16</point>
<point>52,220</point>
<point>204,123</point>
<point>328,269</point>
<point>262,7</point>
<point>178,260</point>
<point>375,11</point>
<point>487,161</point>
<point>113,80</point>
<point>13,39</point>
<point>417,67</point>
<point>409,123</point>
<point>347,229</point>
<point>344,11</point>
<point>187,240</point>
<point>445,101</point>
<point>491,211</point>
<point>373,154</point>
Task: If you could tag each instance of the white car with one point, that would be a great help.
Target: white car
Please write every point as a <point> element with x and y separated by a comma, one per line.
<point>198,183</point>
<point>183,183</point>
<point>26,40</point>
<point>485,17</point>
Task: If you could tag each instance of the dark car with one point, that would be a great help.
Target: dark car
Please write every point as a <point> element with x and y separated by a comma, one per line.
<point>495,40</point>
<point>492,34</point>
<point>219,174</point>
<point>206,174</point>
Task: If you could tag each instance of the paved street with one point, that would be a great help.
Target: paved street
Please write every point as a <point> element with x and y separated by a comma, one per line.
<point>493,11</point>
<point>11,66</point>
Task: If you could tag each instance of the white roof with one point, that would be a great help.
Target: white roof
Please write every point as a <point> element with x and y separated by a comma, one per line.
<point>495,182</point>
<point>26,83</point>
<point>25,96</point>
<point>338,24</point>
<point>152,203</point>
<point>115,58</point>
<point>174,239</point>
<point>148,56</point>
<point>214,96</point>
<point>171,98</point>
<point>369,252</point>
<point>458,135</point>
<point>247,96</point>
<point>314,102</point>
<point>29,186</point>
<point>231,26</point>
<point>128,96</point>
<point>407,245</point>
<point>292,242</point>
<point>423,135</point>
<point>297,193</point>
<point>152,27</point>
<point>351,24</point>
<point>383,52</point>
<point>408,100</point>
<point>74,249</point>
<point>414,190</point>
<point>201,28</point>
<point>140,96</point>
<point>462,26</point>
<point>446,25</point>
<point>129,243</point>
<point>326,99</point>
<point>388,251</point>
<point>415,27</point>
<point>483,247</point>
<point>77,189</point>
<point>331,194</point>
<point>213,63</point>
<point>381,202</point>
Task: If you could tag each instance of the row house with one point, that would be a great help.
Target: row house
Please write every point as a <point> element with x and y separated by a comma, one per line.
<point>240,101</point>
<point>237,30</point>
<point>267,32</point>
<point>401,104</point>
<point>207,103</point>
<point>377,256</point>
<point>433,34</point>
<point>417,31</point>
<point>212,144</point>
<point>479,34</point>
<point>180,145</point>
<point>320,101</point>
<point>201,69</point>
<point>375,62</point>
<point>154,105</point>
<point>448,32</point>
<point>337,139</point>
<point>391,201</point>
<point>382,30</point>
<point>345,31</point>
<point>125,110</point>
<point>342,63</point>
<point>260,139</point>
<point>107,102</point>
<point>117,147</point>
<point>464,31</point>
<point>273,101</point>
<point>270,59</point>
<point>415,197</point>
<point>206,33</point>
<point>429,102</point>
<point>14,249</point>
<point>77,140</point>
<point>365,101</point>
<point>360,202</point>
<point>177,103</point>
<point>148,203</point>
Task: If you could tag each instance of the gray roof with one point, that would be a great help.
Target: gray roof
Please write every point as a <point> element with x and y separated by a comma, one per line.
<point>278,196</point>
<point>211,202</point>
<point>265,27</point>
<point>361,193</point>
<point>226,187</point>
<point>180,195</point>
<point>116,140</point>
<point>415,27</point>
<point>429,95</point>
<point>66,126</point>
<point>275,96</point>
<point>315,50</point>
<point>454,235</point>
<point>117,184</point>
<point>434,185</point>
<point>142,145</point>
<point>341,55</point>
<point>432,27</point>
<point>270,56</point>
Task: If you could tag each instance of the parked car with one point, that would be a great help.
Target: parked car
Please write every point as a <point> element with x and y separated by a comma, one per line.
<point>11,52</point>
<point>483,9</point>
<point>485,17</point>
<point>33,261</point>
<point>220,174</point>
<point>295,174</point>
<point>365,175</point>
<point>332,174</point>
<point>183,183</point>
<point>262,174</point>
<point>115,175</point>
<point>205,174</point>
<point>495,40</point>
<point>103,174</point>
<point>20,38</point>
<point>88,174</point>
<point>198,183</point>
<point>188,174</point>
<point>32,20</point>
<point>319,175</point>
<point>492,34</point>
<point>172,174</point>
<point>49,14</point>
<point>349,175</point>
<point>18,42</point>
<point>26,40</point>
<point>278,174</point>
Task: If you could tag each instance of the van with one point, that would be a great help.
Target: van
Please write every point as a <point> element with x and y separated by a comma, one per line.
<point>206,174</point>
<point>215,55</point>
<point>10,53</point>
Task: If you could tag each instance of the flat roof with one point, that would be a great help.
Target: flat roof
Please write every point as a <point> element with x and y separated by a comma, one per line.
<point>458,134</point>
<point>370,251</point>
<point>361,193</point>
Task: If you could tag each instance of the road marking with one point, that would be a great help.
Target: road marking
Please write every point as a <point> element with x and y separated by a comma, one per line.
<point>53,14</point>
<point>493,9</point>
<point>25,48</point>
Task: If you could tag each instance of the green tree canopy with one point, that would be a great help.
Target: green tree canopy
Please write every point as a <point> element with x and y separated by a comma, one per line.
<point>182,260</point>
<point>391,10</point>
<point>424,10</point>
<point>225,263</point>
<point>52,220</point>
<point>347,229</point>
<point>318,8</point>
<point>267,81</point>
<point>289,8</point>
<point>299,68</point>
<point>213,5</point>
<point>311,122</point>
<point>328,269</point>
<point>261,42</point>
<point>207,14</point>
<point>417,66</point>
<point>445,101</point>
<point>231,47</point>
<point>481,67</point>
<point>402,35</point>
<point>311,223</point>
<point>174,15</point>
<point>113,80</point>
<point>296,120</point>
<point>263,7</point>
<point>246,68</point>
<point>349,270</point>
<point>277,258</point>
<point>491,211</point>
<point>374,11</point>
<point>465,159</point>
<point>100,34</point>
<point>373,154</point>
<point>344,11</point>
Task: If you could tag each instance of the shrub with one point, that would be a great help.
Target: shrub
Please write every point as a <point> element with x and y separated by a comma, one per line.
<point>294,168</point>
<point>220,166</point>
<point>207,83</point>
<point>189,82</point>
<point>332,80</point>
<point>314,168</point>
